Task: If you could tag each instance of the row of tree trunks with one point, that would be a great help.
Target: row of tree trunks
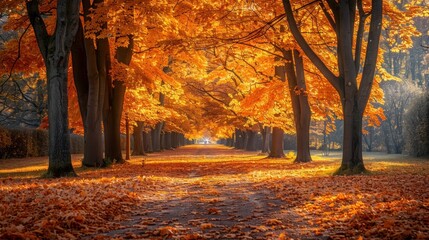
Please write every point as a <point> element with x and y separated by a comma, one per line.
<point>246,140</point>
<point>143,141</point>
<point>275,140</point>
<point>229,142</point>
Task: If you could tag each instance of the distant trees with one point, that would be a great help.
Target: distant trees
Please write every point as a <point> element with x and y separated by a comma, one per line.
<point>23,101</point>
<point>417,126</point>
<point>398,96</point>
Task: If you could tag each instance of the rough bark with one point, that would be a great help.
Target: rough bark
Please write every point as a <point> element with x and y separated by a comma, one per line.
<point>301,109</point>
<point>55,50</point>
<point>277,143</point>
<point>93,150</point>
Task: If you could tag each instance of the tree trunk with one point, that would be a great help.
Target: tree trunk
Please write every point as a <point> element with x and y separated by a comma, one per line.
<point>114,102</point>
<point>245,139</point>
<point>168,141</point>
<point>277,143</point>
<point>238,139</point>
<point>174,140</point>
<point>181,140</point>
<point>138,148</point>
<point>55,50</point>
<point>93,150</point>
<point>301,109</point>
<point>352,162</point>
<point>80,73</point>
<point>251,142</point>
<point>127,137</point>
<point>92,153</point>
<point>147,141</point>
<point>229,142</point>
<point>266,139</point>
<point>156,137</point>
<point>90,67</point>
<point>162,141</point>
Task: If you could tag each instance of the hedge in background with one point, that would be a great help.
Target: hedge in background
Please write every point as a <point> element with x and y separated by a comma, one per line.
<point>23,142</point>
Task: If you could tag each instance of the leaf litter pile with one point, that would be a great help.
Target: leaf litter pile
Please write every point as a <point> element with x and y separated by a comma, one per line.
<point>212,192</point>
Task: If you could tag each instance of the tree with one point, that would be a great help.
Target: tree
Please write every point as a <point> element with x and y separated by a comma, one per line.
<point>138,148</point>
<point>398,96</point>
<point>417,126</point>
<point>294,68</point>
<point>354,94</point>
<point>55,50</point>
<point>90,69</point>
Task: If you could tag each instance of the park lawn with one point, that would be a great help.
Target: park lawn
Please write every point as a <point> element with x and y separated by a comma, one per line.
<point>212,192</point>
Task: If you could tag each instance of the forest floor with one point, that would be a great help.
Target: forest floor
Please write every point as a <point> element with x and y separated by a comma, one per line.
<point>214,192</point>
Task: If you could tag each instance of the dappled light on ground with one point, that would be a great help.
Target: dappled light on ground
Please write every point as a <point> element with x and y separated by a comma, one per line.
<point>212,192</point>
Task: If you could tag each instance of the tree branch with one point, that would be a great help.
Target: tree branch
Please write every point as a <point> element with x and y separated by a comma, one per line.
<point>334,80</point>
<point>39,27</point>
<point>371,54</point>
<point>328,16</point>
<point>359,36</point>
<point>17,57</point>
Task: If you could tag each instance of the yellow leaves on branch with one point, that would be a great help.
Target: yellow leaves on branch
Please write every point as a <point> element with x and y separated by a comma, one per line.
<point>269,104</point>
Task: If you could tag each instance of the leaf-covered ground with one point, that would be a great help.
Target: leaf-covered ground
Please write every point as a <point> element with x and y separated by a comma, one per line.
<point>212,192</point>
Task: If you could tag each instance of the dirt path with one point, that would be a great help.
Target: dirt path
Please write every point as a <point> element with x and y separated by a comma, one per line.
<point>214,192</point>
<point>208,197</point>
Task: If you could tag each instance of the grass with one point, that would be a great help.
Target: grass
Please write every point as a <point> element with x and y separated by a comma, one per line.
<point>375,162</point>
